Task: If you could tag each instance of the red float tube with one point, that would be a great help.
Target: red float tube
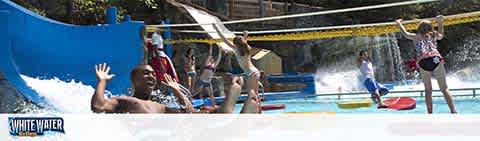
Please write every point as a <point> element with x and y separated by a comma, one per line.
<point>400,103</point>
<point>273,107</point>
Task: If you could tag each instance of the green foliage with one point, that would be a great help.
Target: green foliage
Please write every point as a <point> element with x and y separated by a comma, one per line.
<point>88,11</point>
<point>93,11</point>
<point>30,7</point>
<point>138,9</point>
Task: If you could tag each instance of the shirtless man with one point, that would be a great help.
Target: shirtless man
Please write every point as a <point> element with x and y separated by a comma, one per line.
<point>144,82</point>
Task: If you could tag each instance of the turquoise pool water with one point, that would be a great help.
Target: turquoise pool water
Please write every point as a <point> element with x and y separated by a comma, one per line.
<point>464,105</point>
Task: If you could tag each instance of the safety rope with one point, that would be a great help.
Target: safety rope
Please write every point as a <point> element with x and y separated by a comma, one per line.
<point>305,14</point>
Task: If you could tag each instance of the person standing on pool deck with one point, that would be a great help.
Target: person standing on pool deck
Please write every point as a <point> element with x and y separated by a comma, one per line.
<point>368,79</point>
<point>429,58</point>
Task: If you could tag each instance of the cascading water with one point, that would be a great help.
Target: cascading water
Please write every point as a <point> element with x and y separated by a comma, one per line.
<point>389,66</point>
<point>343,74</point>
<point>387,59</point>
<point>465,61</point>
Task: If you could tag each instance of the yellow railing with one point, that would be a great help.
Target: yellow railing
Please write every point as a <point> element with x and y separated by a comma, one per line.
<point>341,31</point>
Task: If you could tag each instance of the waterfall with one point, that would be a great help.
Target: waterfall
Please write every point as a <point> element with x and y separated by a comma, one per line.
<point>387,59</point>
<point>464,60</point>
<point>338,72</point>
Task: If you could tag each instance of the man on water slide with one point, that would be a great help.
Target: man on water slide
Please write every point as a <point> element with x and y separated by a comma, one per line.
<point>144,83</point>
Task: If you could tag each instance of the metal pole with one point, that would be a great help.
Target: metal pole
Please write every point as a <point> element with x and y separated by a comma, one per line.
<point>230,8</point>
<point>168,36</point>
<point>261,8</point>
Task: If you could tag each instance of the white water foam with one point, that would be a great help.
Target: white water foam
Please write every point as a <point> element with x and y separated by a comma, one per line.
<point>332,82</point>
<point>67,97</point>
<point>347,81</point>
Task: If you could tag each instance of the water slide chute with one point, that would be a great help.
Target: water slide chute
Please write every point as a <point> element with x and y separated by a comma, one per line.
<point>39,47</point>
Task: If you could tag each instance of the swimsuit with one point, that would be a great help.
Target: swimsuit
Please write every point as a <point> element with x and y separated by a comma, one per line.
<point>192,74</point>
<point>210,67</point>
<point>427,53</point>
<point>430,63</point>
<point>205,83</point>
<point>256,74</point>
<point>189,65</point>
<point>161,64</point>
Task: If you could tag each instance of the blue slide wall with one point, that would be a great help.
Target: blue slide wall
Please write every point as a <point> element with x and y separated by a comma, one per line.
<point>36,46</point>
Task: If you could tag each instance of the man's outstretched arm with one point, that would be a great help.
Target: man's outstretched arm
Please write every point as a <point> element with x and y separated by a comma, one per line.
<point>99,103</point>
<point>182,98</point>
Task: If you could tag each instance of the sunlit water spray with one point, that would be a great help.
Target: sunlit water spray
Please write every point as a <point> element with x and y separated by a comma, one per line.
<point>388,64</point>
<point>66,97</point>
<point>73,97</point>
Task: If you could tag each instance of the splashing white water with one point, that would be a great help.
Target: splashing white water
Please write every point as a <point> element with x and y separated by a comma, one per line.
<point>67,97</point>
<point>331,82</point>
<point>347,81</point>
<point>453,82</point>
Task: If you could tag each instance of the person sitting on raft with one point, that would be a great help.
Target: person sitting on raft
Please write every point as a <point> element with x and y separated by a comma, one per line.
<point>429,58</point>
<point>208,71</point>
<point>368,79</point>
<point>144,82</point>
<point>244,52</point>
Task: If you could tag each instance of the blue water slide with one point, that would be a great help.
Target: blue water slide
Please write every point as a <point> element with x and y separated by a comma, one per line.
<point>39,47</point>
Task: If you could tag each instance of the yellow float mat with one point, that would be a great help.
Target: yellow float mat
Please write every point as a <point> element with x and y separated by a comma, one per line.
<point>355,104</point>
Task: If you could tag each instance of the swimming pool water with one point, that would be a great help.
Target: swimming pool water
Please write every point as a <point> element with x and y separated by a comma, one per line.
<point>74,97</point>
<point>464,105</point>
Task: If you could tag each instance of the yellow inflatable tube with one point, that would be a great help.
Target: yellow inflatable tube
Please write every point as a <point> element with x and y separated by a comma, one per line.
<point>355,104</point>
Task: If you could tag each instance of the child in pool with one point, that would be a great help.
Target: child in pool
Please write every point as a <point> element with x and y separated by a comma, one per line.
<point>244,52</point>
<point>190,68</point>
<point>429,58</point>
<point>208,71</point>
<point>368,79</point>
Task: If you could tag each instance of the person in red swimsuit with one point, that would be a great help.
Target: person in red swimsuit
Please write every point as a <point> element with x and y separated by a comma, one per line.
<point>160,62</point>
<point>412,69</point>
